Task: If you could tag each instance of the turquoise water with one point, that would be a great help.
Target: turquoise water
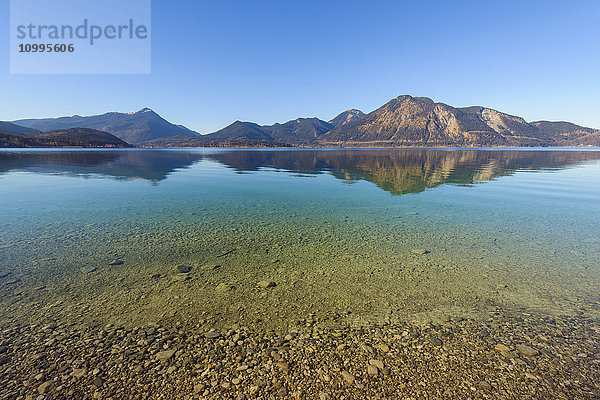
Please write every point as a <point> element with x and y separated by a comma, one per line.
<point>347,235</point>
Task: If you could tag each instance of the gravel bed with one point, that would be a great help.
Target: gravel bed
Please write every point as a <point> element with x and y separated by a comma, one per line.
<point>504,357</point>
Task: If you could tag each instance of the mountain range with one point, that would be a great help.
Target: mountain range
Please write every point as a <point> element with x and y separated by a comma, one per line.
<point>403,121</point>
<point>419,121</point>
<point>133,128</point>
<point>72,137</point>
<point>301,131</point>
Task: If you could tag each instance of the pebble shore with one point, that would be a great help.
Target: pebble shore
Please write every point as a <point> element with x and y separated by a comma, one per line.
<point>505,357</point>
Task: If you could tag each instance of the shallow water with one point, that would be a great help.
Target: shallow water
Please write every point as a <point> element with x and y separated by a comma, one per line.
<point>348,236</point>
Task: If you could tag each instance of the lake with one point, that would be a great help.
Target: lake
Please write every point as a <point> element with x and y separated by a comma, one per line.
<point>272,237</point>
<point>228,273</point>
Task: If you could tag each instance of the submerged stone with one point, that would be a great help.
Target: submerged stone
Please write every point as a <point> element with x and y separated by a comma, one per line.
<point>348,377</point>
<point>372,370</point>
<point>180,277</point>
<point>501,347</point>
<point>78,372</point>
<point>98,381</point>
<point>526,350</point>
<point>224,287</point>
<point>184,268</point>
<point>376,363</point>
<point>45,387</point>
<point>485,385</point>
<point>165,355</point>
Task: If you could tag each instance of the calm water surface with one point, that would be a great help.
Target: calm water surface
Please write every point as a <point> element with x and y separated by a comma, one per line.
<point>350,236</point>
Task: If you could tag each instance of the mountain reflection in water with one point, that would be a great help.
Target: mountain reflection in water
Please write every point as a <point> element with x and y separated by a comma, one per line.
<point>397,171</point>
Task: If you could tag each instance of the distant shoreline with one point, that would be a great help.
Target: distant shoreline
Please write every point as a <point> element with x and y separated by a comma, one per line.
<point>308,148</point>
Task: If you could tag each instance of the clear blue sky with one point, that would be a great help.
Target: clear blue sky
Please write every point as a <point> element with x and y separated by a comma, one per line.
<point>272,61</point>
